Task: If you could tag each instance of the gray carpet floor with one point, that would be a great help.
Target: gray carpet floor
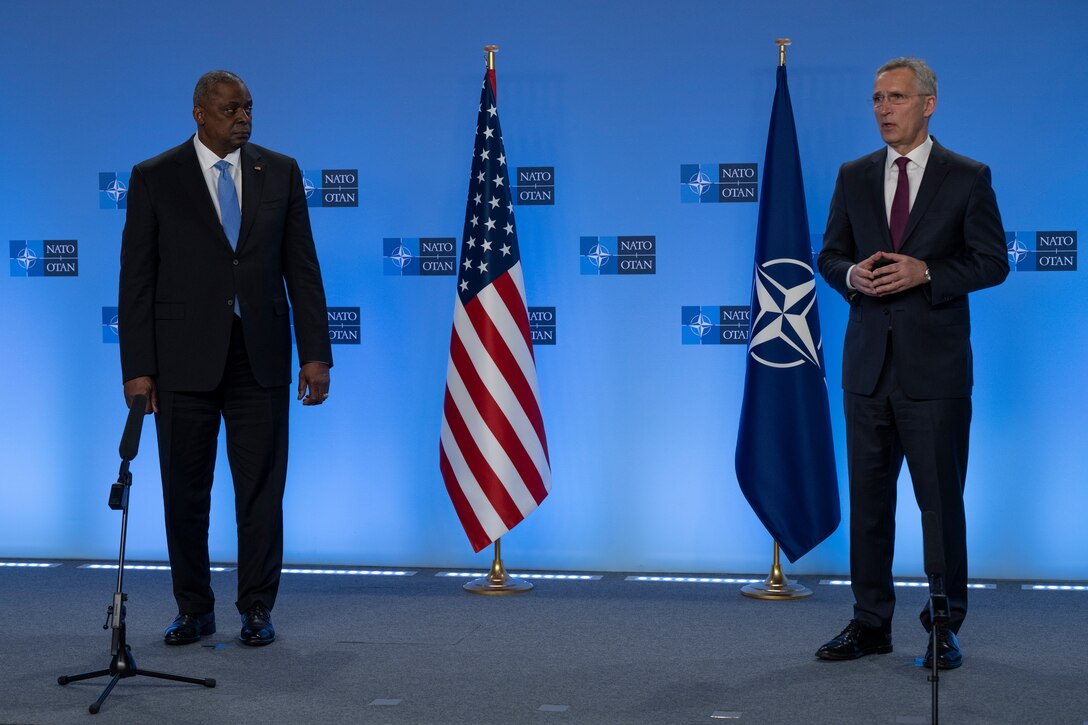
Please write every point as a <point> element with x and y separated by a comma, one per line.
<point>368,649</point>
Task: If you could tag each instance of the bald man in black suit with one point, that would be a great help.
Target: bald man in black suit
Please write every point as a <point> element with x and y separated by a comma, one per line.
<point>205,335</point>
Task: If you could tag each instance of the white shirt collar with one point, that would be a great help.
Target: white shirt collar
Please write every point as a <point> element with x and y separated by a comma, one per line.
<point>919,154</point>
<point>209,158</point>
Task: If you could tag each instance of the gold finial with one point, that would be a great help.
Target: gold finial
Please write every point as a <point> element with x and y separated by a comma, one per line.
<point>782,43</point>
<point>491,50</point>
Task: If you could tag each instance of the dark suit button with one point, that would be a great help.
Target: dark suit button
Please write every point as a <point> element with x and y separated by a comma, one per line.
<point>236,263</point>
<point>230,303</point>
<point>887,311</point>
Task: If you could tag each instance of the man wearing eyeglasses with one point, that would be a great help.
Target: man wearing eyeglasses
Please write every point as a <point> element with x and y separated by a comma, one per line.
<point>913,228</point>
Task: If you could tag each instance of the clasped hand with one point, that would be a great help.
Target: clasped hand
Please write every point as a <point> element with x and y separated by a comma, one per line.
<point>886,273</point>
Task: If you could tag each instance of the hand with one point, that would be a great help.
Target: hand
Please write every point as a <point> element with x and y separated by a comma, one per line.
<point>886,273</point>
<point>145,386</point>
<point>898,274</point>
<point>314,377</point>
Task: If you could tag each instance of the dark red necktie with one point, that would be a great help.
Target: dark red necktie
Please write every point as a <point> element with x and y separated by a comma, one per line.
<point>897,223</point>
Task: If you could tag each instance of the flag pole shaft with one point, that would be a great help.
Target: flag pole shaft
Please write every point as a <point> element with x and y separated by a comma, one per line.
<point>497,580</point>
<point>777,585</point>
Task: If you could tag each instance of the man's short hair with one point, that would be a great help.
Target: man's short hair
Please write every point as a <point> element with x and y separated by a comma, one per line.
<point>209,80</point>
<point>927,79</point>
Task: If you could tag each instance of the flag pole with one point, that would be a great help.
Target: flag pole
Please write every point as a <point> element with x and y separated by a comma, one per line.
<point>497,580</point>
<point>777,585</point>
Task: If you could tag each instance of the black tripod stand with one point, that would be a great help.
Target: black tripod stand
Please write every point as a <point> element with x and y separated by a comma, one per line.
<point>122,663</point>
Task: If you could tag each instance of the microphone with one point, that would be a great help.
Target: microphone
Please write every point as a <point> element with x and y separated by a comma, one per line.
<point>933,558</point>
<point>130,439</point>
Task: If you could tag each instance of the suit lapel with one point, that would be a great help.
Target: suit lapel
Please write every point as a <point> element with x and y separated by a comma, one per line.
<point>874,180</point>
<point>936,170</point>
<point>252,188</point>
<point>192,180</point>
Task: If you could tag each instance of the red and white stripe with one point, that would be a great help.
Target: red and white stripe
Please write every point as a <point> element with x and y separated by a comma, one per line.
<point>494,455</point>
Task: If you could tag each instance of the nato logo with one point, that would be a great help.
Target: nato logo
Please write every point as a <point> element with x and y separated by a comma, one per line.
<point>714,325</point>
<point>109,325</point>
<point>785,327</point>
<point>344,325</point>
<point>542,325</point>
<point>331,187</point>
<point>719,183</point>
<point>419,256</point>
<point>618,255</point>
<point>44,258</point>
<point>112,190</point>
<point>535,186</point>
<point>1042,251</point>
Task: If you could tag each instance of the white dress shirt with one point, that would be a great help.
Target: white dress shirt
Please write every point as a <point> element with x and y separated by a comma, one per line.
<point>208,159</point>
<point>916,167</point>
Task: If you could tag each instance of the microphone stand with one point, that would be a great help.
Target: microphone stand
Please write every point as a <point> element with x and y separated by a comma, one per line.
<point>939,614</point>
<point>122,663</point>
<point>939,619</point>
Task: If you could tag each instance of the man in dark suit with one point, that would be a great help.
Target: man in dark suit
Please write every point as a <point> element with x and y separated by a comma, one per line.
<point>205,334</point>
<point>913,228</point>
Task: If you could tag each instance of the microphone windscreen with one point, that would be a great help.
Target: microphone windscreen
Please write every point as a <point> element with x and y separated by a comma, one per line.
<point>130,439</point>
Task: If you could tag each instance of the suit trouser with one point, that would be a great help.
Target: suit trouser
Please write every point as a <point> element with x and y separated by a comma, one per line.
<point>932,435</point>
<point>188,433</point>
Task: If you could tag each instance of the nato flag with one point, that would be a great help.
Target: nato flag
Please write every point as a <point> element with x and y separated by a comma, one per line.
<point>785,457</point>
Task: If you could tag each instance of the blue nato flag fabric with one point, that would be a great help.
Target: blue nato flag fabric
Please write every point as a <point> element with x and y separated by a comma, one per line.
<point>785,458</point>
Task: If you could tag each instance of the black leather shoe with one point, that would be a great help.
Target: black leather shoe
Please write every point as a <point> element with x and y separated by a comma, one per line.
<point>949,655</point>
<point>189,628</point>
<point>856,641</point>
<point>257,629</point>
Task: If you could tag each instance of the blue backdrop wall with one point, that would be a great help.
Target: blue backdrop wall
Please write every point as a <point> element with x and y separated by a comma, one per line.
<point>615,98</point>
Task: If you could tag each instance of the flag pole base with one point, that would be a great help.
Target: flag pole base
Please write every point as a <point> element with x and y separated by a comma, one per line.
<point>497,580</point>
<point>777,585</point>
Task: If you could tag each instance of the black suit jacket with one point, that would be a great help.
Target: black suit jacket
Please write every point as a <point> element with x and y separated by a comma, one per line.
<point>954,227</point>
<point>179,275</point>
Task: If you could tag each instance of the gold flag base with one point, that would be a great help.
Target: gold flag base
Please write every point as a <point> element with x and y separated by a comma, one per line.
<point>777,585</point>
<point>497,580</point>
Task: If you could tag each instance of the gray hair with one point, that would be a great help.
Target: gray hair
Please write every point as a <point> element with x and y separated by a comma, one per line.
<point>923,74</point>
<point>209,80</point>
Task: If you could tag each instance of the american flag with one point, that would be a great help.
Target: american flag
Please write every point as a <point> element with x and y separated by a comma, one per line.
<point>493,453</point>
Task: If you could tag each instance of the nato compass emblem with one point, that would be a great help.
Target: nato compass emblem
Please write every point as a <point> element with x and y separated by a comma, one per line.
<point>401,257</point>
<point>308,187</point>
<point>116,191</point>
<point>109,325</point>
<point>598,255</point>
<point>26,259</point>
<point>700,325</point>
<point>112,189</point>
<point>782,333</point>
<point>1018,251</point>
<point>699,183</point>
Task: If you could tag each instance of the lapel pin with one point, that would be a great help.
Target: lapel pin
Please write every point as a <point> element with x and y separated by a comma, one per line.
<point>256,168</point>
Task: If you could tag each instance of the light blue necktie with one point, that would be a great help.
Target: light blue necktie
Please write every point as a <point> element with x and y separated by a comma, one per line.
<point>229,209</point>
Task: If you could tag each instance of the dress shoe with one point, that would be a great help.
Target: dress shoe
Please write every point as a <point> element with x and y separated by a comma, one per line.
<point>189,628</point>
<point>949,655</point>
<point>257,629</point>
<point>855,641</point>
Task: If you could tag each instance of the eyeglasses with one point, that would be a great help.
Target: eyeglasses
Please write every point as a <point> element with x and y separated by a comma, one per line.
<point>896,99</point>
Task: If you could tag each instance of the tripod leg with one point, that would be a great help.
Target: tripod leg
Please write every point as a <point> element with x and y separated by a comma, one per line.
<point>206,681</point>
<point>65,679</point>
<point>132,669</point>
<point>97,704</point>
